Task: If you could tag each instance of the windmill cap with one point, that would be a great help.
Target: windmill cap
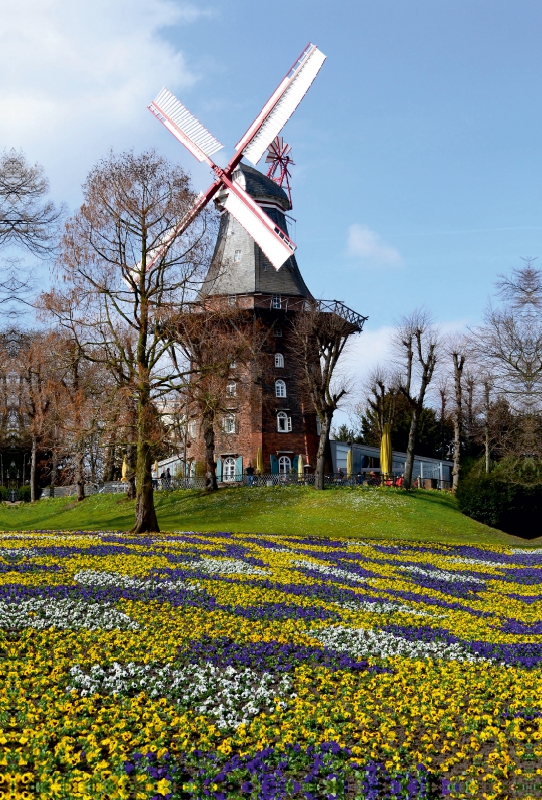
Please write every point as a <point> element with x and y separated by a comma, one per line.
<point>258,185</point>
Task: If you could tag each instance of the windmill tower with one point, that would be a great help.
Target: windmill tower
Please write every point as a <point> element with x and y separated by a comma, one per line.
<point>254,268</point>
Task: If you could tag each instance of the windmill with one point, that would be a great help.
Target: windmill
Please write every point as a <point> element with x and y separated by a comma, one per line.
<point>274,242</point>
<point>278,156</point>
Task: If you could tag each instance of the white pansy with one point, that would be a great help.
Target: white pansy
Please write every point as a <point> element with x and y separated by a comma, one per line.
<point>358,642</point>
<point>478,562</point>
<point>65,614</point>
<point>17,552</point>
<point>527,551</point>
<point>384,607</point>
<point>324,569</point>
<point>226,566</point>
<point>91,577</point>
<point>231,696</point>
<point>440,574</point>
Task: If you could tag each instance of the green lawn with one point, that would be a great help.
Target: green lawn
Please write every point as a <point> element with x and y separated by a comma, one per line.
<point>378,513</point>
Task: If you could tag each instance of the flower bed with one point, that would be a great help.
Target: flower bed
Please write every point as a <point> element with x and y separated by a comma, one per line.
<point>246,666</point>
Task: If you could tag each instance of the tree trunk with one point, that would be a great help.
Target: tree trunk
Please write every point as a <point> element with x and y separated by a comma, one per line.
<point>80,475</point>
<point>210,464</point>
<point>131,477</point>
<point>411,446</point>
<point>54,471</point>
<point>486,429</point>
<point>33,470</point>
<point>324,452</point>
<point>109,465</point>
<point>145,519</point>
<point>458,419</point>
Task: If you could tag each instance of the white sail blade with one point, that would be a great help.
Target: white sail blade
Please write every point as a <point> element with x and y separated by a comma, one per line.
<point>184,126</point>
<point>276,245</point>
<point>281,105</point>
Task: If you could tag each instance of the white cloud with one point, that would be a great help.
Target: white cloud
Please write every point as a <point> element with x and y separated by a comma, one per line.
<point>366,244</point>
<point>78,74</point>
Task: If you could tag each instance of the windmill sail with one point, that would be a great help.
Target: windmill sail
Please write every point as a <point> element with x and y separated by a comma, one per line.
<point>281,105</point>
<point>184,126</point>
<point>276,245</point>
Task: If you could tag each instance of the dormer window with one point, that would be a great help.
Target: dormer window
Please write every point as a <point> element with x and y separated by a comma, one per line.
<point>280,389</point>
<point>279,360</point>
<point>276,301</point>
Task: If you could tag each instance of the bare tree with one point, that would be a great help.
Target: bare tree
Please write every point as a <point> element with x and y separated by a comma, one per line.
<point>214,340</point>
<point>508,350</point>
<point>27,218</point>
<point>124,269</point>
<point>383,389</point>
<point>319,339</point>
<point>458,350</point>
<point>416,343</point>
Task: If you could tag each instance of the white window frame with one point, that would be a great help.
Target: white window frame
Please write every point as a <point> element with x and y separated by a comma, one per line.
<point>237,256</point>
<point>284,422</point>
<point>232,300</point>
<point>192,428</point>
<point>279,360</point>
<point>280,388</point>
<point>285,465</point>
<point>229,424</point>
<point>228,469</point>
<point>231,389</point>
<point>276,301</point>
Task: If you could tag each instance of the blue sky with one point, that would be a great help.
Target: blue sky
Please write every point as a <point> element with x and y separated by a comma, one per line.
<point>417,149</point>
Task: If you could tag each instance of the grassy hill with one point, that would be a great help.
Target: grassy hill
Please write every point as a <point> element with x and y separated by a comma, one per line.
<point>298,511</point>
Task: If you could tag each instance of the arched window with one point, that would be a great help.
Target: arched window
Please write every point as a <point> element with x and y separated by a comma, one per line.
<point>280,389</point>
<point>231,389</point>
<point>284,422</point>
<point>228,470</point>
<point>279,360</point>
<point>229,425</point>
<point>285,465</point>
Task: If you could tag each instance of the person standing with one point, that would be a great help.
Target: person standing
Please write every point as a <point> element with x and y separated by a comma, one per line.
<point>250,474</point>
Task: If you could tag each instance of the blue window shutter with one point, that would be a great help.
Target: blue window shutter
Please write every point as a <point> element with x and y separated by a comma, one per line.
<point>219,469</point>
<point>295,459</point>
<point>274,465</point>
<point>239,468</point>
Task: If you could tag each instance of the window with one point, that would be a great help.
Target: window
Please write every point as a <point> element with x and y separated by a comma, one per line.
<point>278,332</point>
<point>192,428</point>
<point>285,465</point>
<point>276,302</point>
<point>280,389</point>
<point>229,425</point>
<point>284,422</point>
<point>228,470</point>
<point>237,255</point>
<point>279,360</point>
<point>231,389</point>
<point>232,300</point>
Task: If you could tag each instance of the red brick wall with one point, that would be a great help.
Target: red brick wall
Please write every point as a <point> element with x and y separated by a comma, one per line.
<point>256,405</point>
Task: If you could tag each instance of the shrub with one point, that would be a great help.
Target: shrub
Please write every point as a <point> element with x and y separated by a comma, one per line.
<point>23,493</point>
<point>509,498</point>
